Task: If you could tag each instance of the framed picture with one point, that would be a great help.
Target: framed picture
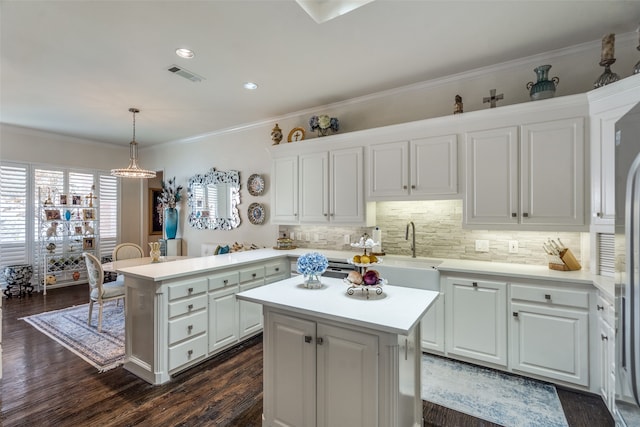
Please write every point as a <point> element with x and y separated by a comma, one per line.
<point>88,214</point>
<point>88,243</point>
<point>63,199</point>
<point>76,200</point>
<point>78,229</point>
<point>155,211</point>
<point>51,214</point>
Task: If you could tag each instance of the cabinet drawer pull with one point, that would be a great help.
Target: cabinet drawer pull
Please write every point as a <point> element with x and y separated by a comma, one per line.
<point>475,284</point>
<point>319,340</point>
<point>599,307</point>
<point>413,187</point>
<point>404,187</point>
<point>515,314</point>
<point>604,337</point>
<point>253,274</point>
<point>514,215</point>
<point>324,214</point>
<point>190,307</point>
<point>525,215</point>
<point>332,214</point>
<point>189,354</point>
<point>190,328</point>
<point>599,214</point>
<point>308,338</point>
<point>225,281</point>
<point>277,269</point>
<point>190,290</point>
<point>547,297</point>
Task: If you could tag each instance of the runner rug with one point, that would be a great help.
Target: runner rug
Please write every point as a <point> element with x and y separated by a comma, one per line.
<point>491,395</point>
<point>104,350</point>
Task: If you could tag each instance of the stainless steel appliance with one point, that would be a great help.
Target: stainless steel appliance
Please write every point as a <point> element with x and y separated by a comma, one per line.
<point>627,277</point>
<point>338,269</point>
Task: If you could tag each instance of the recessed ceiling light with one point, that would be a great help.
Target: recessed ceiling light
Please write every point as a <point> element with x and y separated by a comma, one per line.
<point>250,86</point>
<point>185,53</point>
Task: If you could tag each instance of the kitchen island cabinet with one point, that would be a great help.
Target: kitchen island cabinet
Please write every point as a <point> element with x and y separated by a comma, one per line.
<point>334,359</point>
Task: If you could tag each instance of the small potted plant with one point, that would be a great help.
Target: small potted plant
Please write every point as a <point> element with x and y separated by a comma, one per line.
<point>323,124</point>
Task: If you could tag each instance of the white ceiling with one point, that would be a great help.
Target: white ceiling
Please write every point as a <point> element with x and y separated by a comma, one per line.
<point>76,67</point>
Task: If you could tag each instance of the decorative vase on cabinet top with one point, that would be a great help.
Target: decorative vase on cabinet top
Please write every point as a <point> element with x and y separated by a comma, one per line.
<point>170,222</point>
<point>543,88</point>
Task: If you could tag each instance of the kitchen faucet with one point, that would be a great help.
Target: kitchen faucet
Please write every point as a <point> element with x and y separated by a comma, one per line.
<point>413,237</point>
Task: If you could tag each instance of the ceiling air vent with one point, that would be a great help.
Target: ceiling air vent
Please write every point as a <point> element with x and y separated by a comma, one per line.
<point>179,71</point>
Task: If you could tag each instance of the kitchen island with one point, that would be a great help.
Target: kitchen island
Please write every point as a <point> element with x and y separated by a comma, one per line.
<point>331,358</point>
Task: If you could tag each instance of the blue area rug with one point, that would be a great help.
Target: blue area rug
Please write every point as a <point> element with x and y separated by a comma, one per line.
<point>494,396</point>
<point>69,327</point>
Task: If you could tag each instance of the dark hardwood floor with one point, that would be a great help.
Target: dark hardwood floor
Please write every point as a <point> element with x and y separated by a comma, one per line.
<point>44,384</point>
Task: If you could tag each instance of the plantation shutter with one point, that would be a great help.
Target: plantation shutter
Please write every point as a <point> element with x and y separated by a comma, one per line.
<point>108,193</point>
<point>14,211</point>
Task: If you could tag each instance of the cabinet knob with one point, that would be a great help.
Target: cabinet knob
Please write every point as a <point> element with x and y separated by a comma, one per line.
<point>190,328</point>
<point>599,307</point>
<point>547,297</point>
<point>225,281</point>
<point>404,187</point>
<point>277,269</point>
<point>189,354</point>
<point>604,337</point>
<point>324,214</point>
<point>319,340</point>
<point>308,338</point>
<point>190,307</point>
<point>475,284</point>
<point>525,215</point>
<point>514,215</point>
<point>599,214</point>
<point>332,214</point>
<point>515,314</point>
<point>190,290</point>
<point>413,187</point>
<point>253,274</point>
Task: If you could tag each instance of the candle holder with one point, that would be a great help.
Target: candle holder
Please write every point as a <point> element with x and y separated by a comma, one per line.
<point>608,76</point>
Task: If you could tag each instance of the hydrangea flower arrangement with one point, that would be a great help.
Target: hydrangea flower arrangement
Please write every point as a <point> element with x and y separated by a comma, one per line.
<point>312,264</point>
<point>323,124</point>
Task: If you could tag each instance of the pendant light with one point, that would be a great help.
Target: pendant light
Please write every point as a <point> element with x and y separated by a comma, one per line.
<point>133,170</point>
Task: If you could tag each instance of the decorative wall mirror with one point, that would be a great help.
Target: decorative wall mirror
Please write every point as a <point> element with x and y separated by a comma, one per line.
<point>213,200</point>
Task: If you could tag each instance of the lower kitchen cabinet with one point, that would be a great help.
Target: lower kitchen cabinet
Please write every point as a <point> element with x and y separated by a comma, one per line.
<point>475,326</point>
<point>606,346</point>
<point>223,318</point>
<point>432,327</point>
<point>550,332</point>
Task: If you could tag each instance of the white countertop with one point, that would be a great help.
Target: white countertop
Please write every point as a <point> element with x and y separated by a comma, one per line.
<point>175,269</point>
<point>396,311</point>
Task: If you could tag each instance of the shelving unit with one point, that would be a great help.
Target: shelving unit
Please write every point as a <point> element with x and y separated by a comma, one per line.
<point>65,231</point>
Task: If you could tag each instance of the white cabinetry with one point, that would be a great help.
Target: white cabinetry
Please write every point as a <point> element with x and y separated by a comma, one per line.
<point>535,179</point>
<point>320,187</point>
<point>250,313</point>
<point>223,310</point>
<point>607,350</point>
<point>475,326</point>
<point>432,327</point>
<point>550,332</point>
<point>423,168</point>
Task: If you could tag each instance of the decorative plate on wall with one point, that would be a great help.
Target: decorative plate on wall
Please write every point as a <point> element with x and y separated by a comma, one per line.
<point>255,184</point>
<point>256,213</point>
<point>296,134</point>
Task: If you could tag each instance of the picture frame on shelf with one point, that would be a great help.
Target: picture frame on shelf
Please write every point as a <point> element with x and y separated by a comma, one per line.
<point>88,243</point>
<point>63,199</point>
<point>155,210</point>
<point>76,200</point>
<point>88,214</point>
<point>78,229</point>
<point>52,214</point>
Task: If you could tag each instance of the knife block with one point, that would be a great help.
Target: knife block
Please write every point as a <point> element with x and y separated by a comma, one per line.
<point>565,262</point>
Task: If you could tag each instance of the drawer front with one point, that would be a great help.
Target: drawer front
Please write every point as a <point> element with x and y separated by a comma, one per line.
<point>187,288</point>
<point>566,297</point>
<point>605,310</point>
<point>186,306</point>
<point>251,274</point>
<point>187,351</point>
<point>276,268</point>
<point>222,280</point>
<point>186,327</point>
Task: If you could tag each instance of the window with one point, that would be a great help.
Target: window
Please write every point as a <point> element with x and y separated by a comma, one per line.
<point>22,186</point>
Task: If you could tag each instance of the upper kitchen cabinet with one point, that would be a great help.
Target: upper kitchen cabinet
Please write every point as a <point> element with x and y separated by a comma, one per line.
<point>529,176</point>
<point>606,106</point>
<point>320,187</point>
<point>419,169</point>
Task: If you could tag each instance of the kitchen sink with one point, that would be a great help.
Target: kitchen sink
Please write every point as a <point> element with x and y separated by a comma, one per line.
<point>413,273</point>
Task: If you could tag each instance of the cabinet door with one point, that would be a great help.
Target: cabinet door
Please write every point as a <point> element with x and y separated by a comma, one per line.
<point>251,321</point>
<point>434,166</point>
<point>347,186</point>
<point>285,190</point>
<point>289,371</point>
<point>549,341</point>
<point>314,187</point>
<point>491,196</point>
<point>552,173</point>
<point>388,170</point>
<point>432,327</point>
<point>347,377</point>
<point>476,314</point>
<point>223,318</point>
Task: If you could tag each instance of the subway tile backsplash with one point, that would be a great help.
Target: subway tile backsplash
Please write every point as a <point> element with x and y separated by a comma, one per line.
<point>439,234</point>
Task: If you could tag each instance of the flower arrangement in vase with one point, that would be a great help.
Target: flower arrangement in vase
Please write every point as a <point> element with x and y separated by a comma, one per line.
<point>169,197</point>
<point>312,265</point>
<point>323,124</point>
